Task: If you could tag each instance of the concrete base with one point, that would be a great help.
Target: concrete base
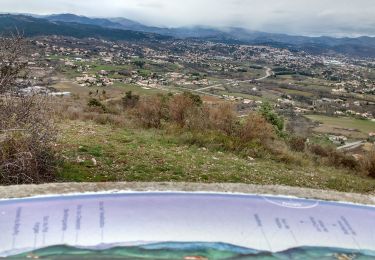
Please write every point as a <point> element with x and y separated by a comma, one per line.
<point>22,191</point>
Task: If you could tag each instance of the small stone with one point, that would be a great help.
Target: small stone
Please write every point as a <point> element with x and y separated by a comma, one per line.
<point>94,162</point>
<point>80,160</point>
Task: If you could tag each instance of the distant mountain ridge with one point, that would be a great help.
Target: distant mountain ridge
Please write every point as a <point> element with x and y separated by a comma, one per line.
<point>126,24</point>
<point>71,18</point>
<point>32,26</point>
<point>361,46</point>
<point>125,29</point>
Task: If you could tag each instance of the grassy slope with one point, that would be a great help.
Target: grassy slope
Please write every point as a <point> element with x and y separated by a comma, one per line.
<point>148,155</point>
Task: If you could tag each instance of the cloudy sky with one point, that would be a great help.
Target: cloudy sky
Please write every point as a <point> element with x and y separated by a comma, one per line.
<point>305,17</point>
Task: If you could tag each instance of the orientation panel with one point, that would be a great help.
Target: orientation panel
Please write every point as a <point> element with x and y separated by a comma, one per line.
<point>185,224</point>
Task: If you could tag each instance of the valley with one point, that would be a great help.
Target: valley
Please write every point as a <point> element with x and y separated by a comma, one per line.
<point>237,112</point>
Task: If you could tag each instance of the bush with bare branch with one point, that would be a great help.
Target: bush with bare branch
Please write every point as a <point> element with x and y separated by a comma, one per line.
<point>13,60</point>
<point>149,112</point>
<point>368,163</point>
<point>179,106</point>
<point>27,132</point>
<point>224,118</point>
<point>27,136</point>
<point>256,128</point>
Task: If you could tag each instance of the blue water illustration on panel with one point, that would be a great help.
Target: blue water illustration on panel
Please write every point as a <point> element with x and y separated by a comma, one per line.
<point>193,251</point>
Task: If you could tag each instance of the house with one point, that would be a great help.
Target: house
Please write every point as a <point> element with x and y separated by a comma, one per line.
<point>338,139</point>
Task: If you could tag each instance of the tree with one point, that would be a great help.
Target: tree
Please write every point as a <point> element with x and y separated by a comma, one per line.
<point>272,117</point>
<point>197,100</point>
<point>130,100</point>
<point>139,63</point>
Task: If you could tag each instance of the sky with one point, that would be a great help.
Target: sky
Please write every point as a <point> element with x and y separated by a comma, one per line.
<point>299,17</point>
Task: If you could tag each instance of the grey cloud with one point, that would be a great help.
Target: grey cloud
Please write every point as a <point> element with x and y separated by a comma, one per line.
<point>307,17</point>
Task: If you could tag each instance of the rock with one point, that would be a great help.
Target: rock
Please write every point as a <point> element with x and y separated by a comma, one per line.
<point>80,160</point>
<point>94,162</point>
<point>3,137</point>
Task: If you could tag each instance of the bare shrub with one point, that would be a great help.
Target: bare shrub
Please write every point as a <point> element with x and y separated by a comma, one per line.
<point>13,51</point>
<point>103,119</point>
<point>179,106</point>
<point>368,163</point>
<point>340,159</point>
<point>108,119</point>
<point>332,157</point>
<point>290,157</point>
<point>223,118</point>
<point>149,112</point>
<point>318,150</point>
<point>114,107</point>
<point>197,119</point>
<point>89,116</point>
<point>256,128</point>
<point>73,112</point>
<point>297,143</point>
<point>27,132</point>
<point>27,152</point>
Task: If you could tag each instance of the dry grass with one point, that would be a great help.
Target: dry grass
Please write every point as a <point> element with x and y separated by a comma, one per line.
<point>329,155</point>
<point>368,163</point>
<point>113,113</point>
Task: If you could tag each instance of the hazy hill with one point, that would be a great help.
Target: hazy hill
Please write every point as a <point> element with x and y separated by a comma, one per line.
<point>71,18</point>
<point>362,46</point>
<point>125,29</point>
<point>32,26</point>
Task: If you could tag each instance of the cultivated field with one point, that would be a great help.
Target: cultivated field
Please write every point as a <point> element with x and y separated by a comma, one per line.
<point>354,128</point>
